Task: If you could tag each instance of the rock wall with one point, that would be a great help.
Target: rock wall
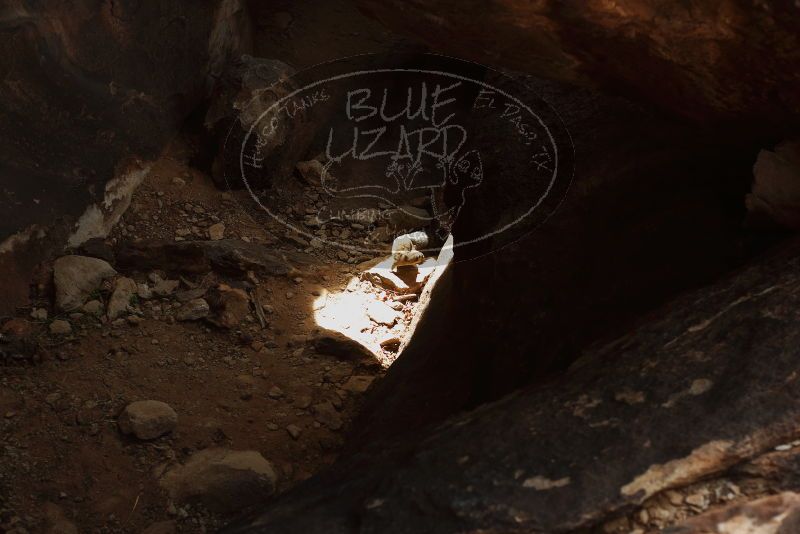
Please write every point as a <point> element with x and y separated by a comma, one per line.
<point>716,367</point>
<point>91,92</point>
<point>720,61</point>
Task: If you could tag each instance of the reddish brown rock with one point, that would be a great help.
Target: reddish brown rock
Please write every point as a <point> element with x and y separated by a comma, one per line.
<point>229,305</point>
<point>722,61</point>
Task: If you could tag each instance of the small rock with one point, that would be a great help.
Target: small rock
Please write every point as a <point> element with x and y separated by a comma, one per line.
<point>144,292</point>
<point>311,171</point>
<point>59,327</point>
<point>148,419</point>
<point>275,392</point>
<point>93,307</point>
<point>326,414</point>
<point>229,305</point>
<point>76,277</point>
<point>40,314</point>
<point>698,500</point>
<point>17,328</point>
<point>190,294</point>
<point>178,181</point>
<point>224,481</point>
<point>164,288</point>
<point>358,384</point>
<point>302,402</point>
<point>216,231</point>
<point>382,313</point>
<point>340,346</point>
<point>193,310</point>
<point>124,290</point>
<point>294,431</point>
<point>391,344</point>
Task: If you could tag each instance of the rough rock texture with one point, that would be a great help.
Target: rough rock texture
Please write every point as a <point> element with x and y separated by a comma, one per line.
<point>193,310</point>
<point>75,277</point>
<point>248,88</point>
<point>776,187</point>
<point>229,305</point>
<point>719,61</point>
<point>626,237</point>
<point>228,256</point>
<point>92,92</point>
<point>717,367</point>
<point>124,290</point>
<point>148,419</point>
<point>223,480</point>
<point>778,514</point>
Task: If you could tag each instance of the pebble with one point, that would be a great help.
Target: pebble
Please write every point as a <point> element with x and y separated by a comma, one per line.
<point>93,307</point>
<point>148,419</point>
<point>39,314</point>
<point>216,231</point>
<point>60,327</point>
<point>294,431</point>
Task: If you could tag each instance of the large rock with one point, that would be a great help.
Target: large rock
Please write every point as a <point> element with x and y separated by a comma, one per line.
<point>223,480</point>
<point>727,62</point>
<point>97,90</point>
<point>717,367</point>
<point>76,277</point>
<point>227,256</point>
<point>148,419</point>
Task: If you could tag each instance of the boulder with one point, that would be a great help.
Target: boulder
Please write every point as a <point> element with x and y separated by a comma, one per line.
<point>76,277</point>
<point>726,63</point>
<point>148,419</point>
<point>223,480</point>
<point>226,256</point>
<point>547,458</point>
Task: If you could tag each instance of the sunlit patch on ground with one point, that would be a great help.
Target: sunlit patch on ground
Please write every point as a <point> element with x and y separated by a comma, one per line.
<point>377,308</point>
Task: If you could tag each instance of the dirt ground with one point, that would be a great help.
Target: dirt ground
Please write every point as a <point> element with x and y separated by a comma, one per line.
<point>65,466</point>
<point>238,388</point>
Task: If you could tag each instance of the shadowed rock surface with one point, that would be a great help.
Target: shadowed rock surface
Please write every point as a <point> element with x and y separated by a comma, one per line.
<point>91,93</point>
<point>717,367</point>
<point>725,61</point>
